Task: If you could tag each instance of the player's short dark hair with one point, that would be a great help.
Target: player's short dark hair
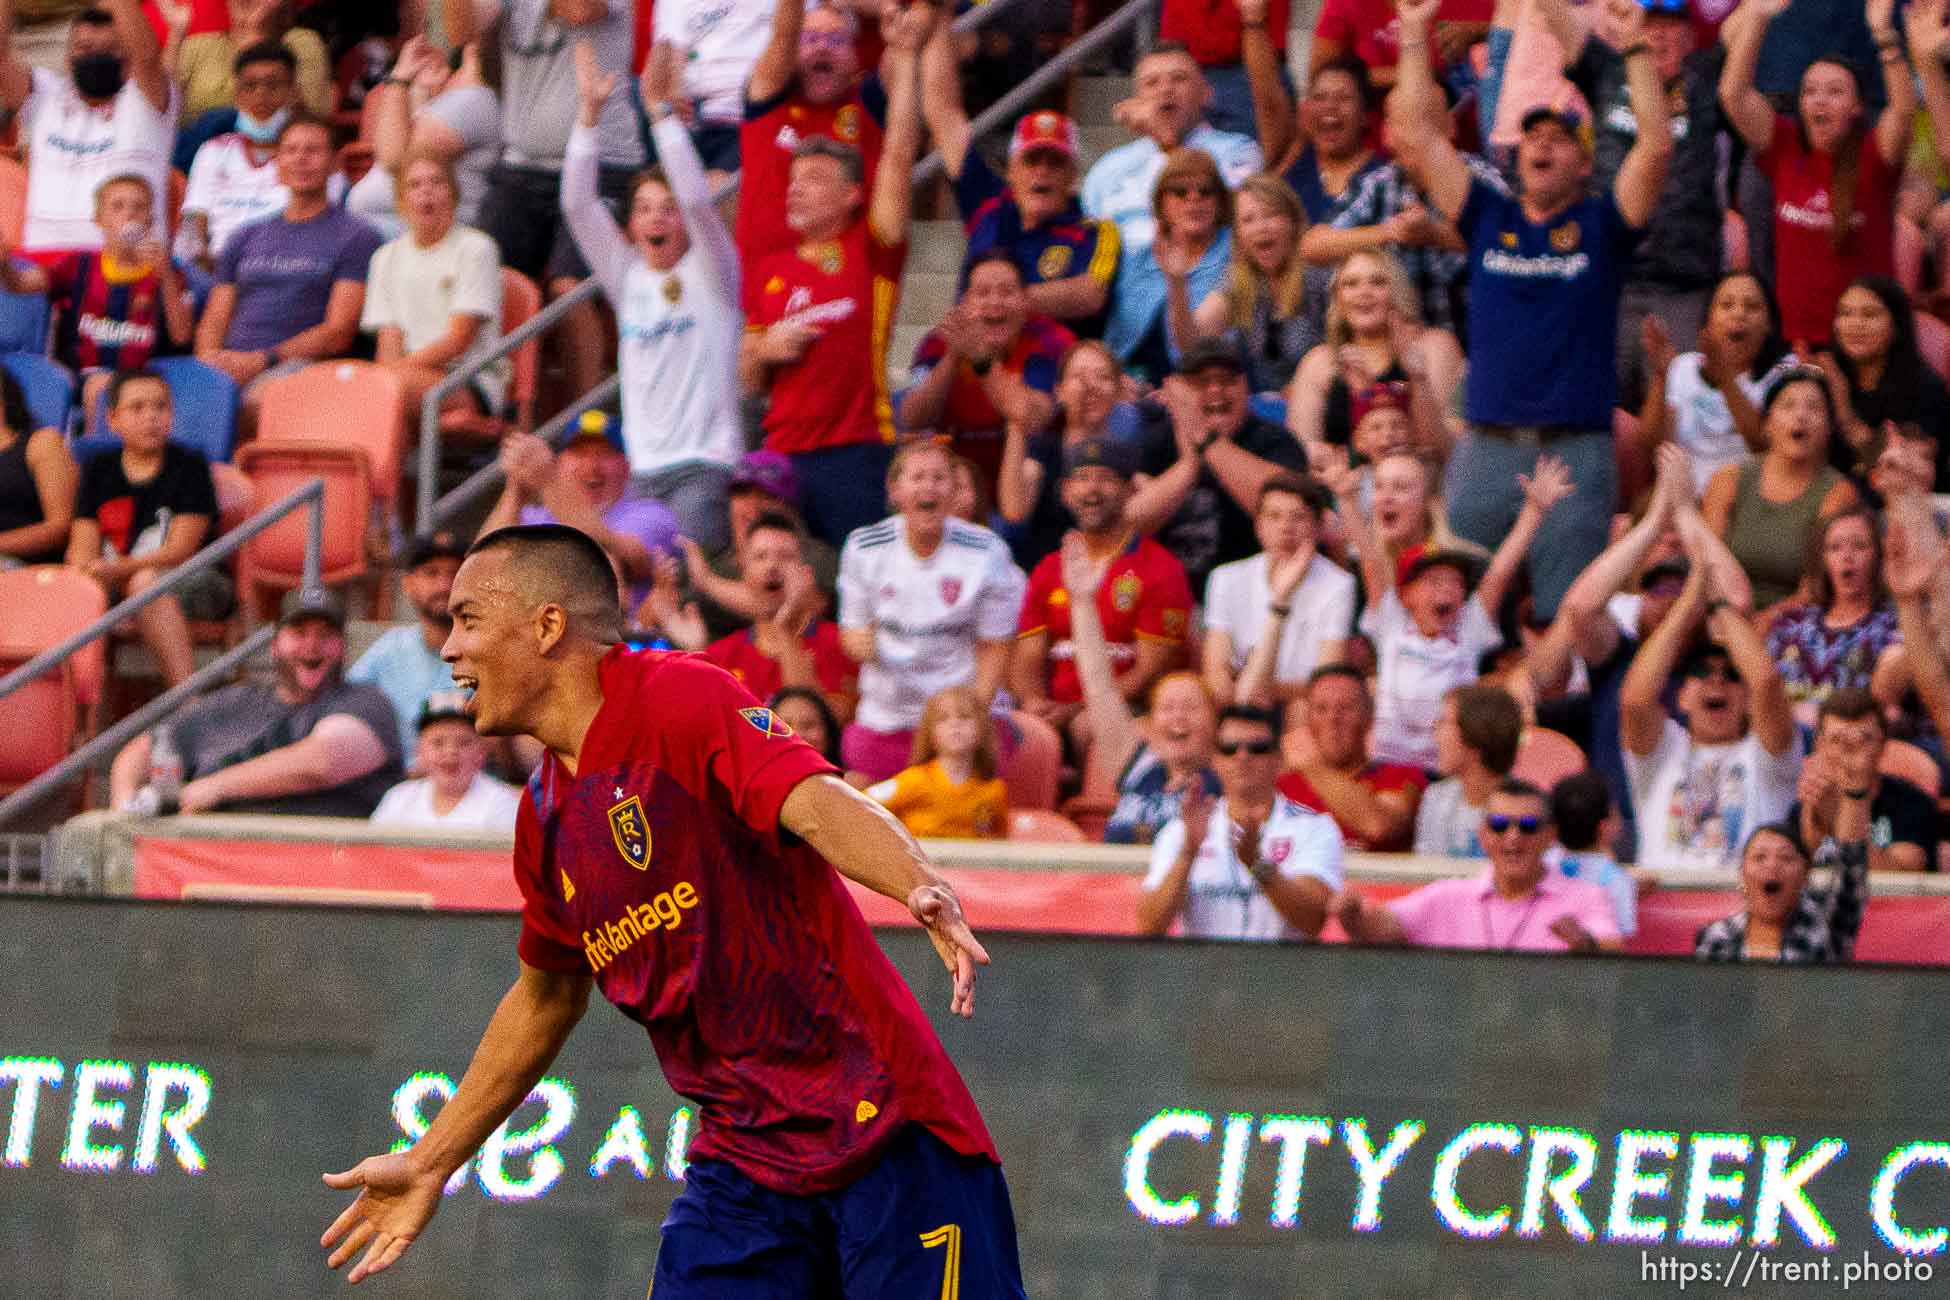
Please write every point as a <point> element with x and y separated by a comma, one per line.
<point>1491,722</point>
<point>571,569</point>
<point>849,159</point>
<point>123,378</point>
<point>1251,714</point>
<point>1579,805</point>
<point>265,52</point>
<point>1518,788</point>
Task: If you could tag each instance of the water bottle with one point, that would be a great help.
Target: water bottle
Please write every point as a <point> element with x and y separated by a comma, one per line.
<point>165,771</point>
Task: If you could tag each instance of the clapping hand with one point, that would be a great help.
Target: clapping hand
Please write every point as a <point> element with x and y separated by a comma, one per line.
<point>1081,574</point>
<point>1656,341</point>
<point>1912,553</point>
<point>1195,806</point>
<point>528,463</point>
<point>1417,16</point>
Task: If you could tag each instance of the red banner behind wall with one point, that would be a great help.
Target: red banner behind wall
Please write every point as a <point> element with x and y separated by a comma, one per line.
<point>1902,928</point>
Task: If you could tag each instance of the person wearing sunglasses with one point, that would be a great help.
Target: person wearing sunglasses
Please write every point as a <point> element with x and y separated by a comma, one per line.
<point>1516,904</point>
<point>1251,864</point>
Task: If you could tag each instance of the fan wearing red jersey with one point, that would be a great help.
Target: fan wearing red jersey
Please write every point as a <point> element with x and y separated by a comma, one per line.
<point>671,822</point>
<point>818,315</point>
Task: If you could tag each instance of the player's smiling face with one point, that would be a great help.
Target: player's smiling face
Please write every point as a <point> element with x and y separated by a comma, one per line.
<point>494,650</point>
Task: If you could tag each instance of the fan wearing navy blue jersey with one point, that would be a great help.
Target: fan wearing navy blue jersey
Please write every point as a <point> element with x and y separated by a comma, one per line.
<point>681,850</point>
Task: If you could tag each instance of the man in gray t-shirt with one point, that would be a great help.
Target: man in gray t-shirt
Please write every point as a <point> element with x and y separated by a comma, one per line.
<point>303,743</point>
<point>539,104</point>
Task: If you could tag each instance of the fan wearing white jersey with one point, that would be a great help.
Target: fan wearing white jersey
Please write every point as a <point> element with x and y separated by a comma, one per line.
<point>672,275</point>
<point>927,601</point>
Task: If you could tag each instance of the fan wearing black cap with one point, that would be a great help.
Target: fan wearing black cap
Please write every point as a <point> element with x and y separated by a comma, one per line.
<point>405,661</point>
<point>305,742</point>
<point>1143,600</point>
<point>1208,462</point>
<point>1699,787</point>
<point>1546,273</point>
<point>456,793</point>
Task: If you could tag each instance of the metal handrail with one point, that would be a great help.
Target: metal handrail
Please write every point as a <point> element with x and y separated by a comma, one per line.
<point>427,513</point>
<point>310,497</point>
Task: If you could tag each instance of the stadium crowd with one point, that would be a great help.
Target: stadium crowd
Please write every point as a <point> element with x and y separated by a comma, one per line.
<point>1515,443</point>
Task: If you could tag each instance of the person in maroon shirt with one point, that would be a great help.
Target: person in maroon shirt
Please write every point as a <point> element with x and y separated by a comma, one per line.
<point>671,824</point>
<point>1373,803</point>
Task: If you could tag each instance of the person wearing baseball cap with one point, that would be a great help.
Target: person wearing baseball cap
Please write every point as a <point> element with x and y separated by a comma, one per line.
<point>1143,599</point>
<point>405,661</point>
<point>1030,212</point>
<point>301,741</point>
<point>1547,268</point>
<point>454,792</point>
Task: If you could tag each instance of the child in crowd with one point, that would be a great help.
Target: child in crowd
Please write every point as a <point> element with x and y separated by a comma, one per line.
<point>1588,824</point>
<point>454,791</point>
<point>950,789</point>
<point>1429,631</point>
<point>120,306</point>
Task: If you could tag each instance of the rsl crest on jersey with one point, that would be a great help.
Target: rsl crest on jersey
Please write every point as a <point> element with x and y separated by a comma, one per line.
<point>631,830</point>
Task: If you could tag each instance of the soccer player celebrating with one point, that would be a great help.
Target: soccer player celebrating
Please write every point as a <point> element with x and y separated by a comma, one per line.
<point>656,860</point>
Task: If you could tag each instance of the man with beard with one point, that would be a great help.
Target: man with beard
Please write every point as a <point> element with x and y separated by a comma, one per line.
<point>1546,271</point>
<point>114,112</point>
<point>988,365</point>
<point>306,743</point>
<point>405,661</point>
<point>1143,601</point>
<point>1209,458</point>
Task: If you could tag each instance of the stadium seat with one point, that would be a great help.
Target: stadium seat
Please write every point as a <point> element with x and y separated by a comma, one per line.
<point>341,404</point>
<point>1031,773</point>
<point>1545,757</point>
<point>47,385</point>
<point>1933,341</point>
<point>205,418</point>
<point>274,560</point>
<point>1041,826</point>
<point>520,300</point>
<point>1909,763</point>
<point>45,605</point>
<point>1089,813</point>
<point>13,201</point>
<point>25,319</point>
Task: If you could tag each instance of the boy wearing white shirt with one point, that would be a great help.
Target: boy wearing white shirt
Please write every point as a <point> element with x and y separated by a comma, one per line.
<point>1251,864</point>
<point>455,794</point>
<point>1273,618</point>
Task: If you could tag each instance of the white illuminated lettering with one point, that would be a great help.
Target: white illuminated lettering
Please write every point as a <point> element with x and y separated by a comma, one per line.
<point>1564,1186</point>
<point>1703,1186</point>
<point>624,1142</point>
<point>1293,1133</point>
<point>159,1118</point>
<point>1137,1164</point>
<point>1629,1185</point>
<point>408,1099</point>
<point>1783,1186</point>
<point>1456,1216</point>
<point>29,1075</point>
<point>1232,1169</point>
<point>91,1112</point>
<point>1882,1199</point>
<point>558,1101</point>
<point>677,1141</point>
<point>1374,1169</point>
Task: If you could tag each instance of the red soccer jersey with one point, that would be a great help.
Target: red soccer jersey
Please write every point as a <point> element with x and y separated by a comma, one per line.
<point>766,139</point>
<point>1381,778</point>
<point>835,394</point>
<point>739,655</point>
<point>660,869</point>
<point>1143,595</point>
<point>1804,218</point>
<point>1372,31</point>
<point>971,418</point>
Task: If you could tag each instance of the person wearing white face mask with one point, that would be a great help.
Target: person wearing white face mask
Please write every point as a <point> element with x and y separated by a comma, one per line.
<point>234,179</point>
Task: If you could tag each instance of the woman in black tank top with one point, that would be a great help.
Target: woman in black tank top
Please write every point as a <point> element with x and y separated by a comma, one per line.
<point>37,484</point>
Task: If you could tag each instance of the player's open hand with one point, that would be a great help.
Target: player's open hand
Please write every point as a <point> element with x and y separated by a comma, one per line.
<point>937,908</point>
<point>396,1200</point>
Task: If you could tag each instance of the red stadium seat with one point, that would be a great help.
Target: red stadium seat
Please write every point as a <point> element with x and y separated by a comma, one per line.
<point>1031,773</point>
<point>45,605</point>
<point>1041,826</point>
<point>1905,761</point>
<point>340,404</point>
<point>1933,341</point>
<point>1545,757</point>
<point>274,560</point>
<point>520,300</point>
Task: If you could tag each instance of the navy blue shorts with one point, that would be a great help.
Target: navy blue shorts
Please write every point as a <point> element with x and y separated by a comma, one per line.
<point>924,1222</point>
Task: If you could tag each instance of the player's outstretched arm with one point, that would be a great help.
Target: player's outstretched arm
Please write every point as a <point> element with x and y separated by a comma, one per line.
<point>865,843</point>
<point>399,1193</point>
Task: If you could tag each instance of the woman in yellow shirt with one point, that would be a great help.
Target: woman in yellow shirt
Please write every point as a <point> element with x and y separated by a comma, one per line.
<point>950,789</point>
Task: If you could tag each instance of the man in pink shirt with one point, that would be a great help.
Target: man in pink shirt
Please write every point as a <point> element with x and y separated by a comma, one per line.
<point>1517,905</point>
